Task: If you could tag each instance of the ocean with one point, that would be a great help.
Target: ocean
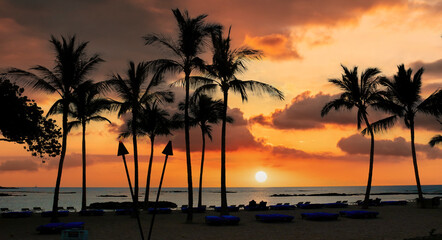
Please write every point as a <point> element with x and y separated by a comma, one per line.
<point>29,197</point>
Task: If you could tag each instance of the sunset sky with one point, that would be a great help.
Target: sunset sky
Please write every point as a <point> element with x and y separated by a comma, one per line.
<point>304,43</point>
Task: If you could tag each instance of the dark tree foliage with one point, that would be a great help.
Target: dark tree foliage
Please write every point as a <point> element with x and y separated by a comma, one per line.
<point>23,122</point>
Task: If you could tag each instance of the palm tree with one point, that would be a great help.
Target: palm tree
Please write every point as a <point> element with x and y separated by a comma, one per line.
<point>154,121</point>
<point>203,112</point>
<point>134,90</point>
<point>86,106</point>
<point>402,99</point>
<point>189,45</point>
<point>72,67</point>
<point>437,139</point>
<point>226,64</point>
<point>360,93</point>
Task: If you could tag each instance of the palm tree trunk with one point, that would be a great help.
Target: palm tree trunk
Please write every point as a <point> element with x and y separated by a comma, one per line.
<point>200,192</point>
<point>134,140</point>
<point>370,169</point>
<point>223,159</point>
<point>187,139</point>
<point>416,170</point>
<point>83,146</point>
<point>149,171</point>
<point>60,164</point>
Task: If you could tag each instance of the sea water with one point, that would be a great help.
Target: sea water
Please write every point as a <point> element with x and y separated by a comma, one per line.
<point>29,197</point>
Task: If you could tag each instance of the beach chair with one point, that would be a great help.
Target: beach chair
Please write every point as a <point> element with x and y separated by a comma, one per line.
<point>4,210</point>
<point>185,209</point>
<point>359,214</point>
<point>91,212</point>
<point>159,210</point>
<point>21,214</point>
<point>335,205</point>
<point>37,209</point>
<point>320,216</point>
<point>393,203</point>
<point>273,218</point>
<point>61,213</point>
<point>231,208</point>
<point>222,220</point>
<point>25,209</point>
<point>124,211</point>
<point>71,209</point>
<point>52,228</point>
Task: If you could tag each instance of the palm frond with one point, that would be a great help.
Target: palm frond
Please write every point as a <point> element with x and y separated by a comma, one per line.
<point>435,140</point>
<point>381,125</point>
<point>336,104</point>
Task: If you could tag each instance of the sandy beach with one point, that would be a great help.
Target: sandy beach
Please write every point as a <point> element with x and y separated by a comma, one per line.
<point>393,222</point>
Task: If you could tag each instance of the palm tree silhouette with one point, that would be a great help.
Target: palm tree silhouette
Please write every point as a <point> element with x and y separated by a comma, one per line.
<point>72,67</point>
<point>402,99</point>
<point>226,64</point>
<point>437,139</point>
<point>86,106</point>
<point>360,93</point>
<point>189,45</point>
<point>203,112</point>
<point>154,121</point>
<point>130,90</point>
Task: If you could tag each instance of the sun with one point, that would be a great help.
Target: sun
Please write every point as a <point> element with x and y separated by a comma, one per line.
<point>261,176</point>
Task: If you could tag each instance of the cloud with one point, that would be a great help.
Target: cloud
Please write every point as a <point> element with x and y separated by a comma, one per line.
<point>304,112</point>
<point>238,136</point>
<point>274,46</point>
<point>431,68</point>
<point>19,165</point>
<point>398,147</point>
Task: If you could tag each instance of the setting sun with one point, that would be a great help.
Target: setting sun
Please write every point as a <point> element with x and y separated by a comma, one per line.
<point>261,176</point>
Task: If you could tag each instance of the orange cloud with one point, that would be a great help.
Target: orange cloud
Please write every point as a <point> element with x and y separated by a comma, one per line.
<point>274,46</point>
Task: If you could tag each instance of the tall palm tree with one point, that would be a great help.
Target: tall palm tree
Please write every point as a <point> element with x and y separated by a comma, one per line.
<point>203,112</point>
<point>186,50</point>
<point>72,67</point>
<point>402,98</point>
<point>227,63</point>
<point>86,106</point>
<point>154,121</point>
<point>360,93</point>
<point>134,90</point>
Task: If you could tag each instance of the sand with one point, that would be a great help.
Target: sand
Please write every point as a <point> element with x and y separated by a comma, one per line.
<point>394,222</point>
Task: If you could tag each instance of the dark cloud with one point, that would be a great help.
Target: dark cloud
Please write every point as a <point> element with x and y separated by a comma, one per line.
<point>238,136</point>
<point>398,147</point>
<point>19,165</point>
<point>304,112</point>
<point>430,68</point>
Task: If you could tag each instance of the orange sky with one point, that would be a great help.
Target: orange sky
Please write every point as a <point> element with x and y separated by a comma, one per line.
<point>304,43</point>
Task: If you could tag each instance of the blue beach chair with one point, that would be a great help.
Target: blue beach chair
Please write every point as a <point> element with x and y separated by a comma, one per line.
<point>359,214</point>
<point>58,227</point>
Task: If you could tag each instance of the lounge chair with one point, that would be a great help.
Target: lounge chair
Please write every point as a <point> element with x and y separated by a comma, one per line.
<point>21,214</point>
<point>25,209</point>
<point>335,205</point>
<point>320,216</point>
<point>308,205</point>
<point>92,212</point>
<point>4,210</point>
<point>231,208</point>
<point>71,209</point>
<point>159,210</point>
<point>37,209</point>
<point>273,218</point>
<point>61,213</point>
<point>222,220</point>
<point>124,211</point>
<point>58,227</point>
<point>286,206</point>
<point>359,214</point>
<point>185,209</point>
<point>395,203</point>
<point>262,206</point>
